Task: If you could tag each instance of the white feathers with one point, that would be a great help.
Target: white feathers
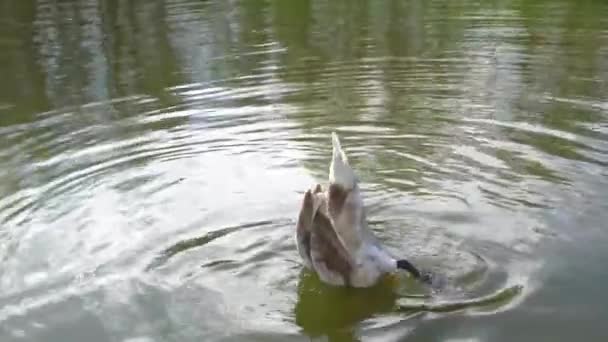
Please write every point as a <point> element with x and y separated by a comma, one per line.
<point>340,171</point>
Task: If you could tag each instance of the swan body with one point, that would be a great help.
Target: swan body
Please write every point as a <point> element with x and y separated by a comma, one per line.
<point>332,235</point>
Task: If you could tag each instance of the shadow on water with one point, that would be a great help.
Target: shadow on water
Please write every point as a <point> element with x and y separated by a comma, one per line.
<point>335,312</point>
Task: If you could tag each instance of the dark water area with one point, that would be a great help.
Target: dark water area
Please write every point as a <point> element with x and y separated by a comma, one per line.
<point>154,154</point>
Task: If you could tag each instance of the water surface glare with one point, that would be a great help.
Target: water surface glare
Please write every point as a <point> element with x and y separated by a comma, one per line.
<point>153,158</point>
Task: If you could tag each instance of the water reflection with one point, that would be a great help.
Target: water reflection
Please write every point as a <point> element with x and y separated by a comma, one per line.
<point>153,155</point>
<point>335,313</point>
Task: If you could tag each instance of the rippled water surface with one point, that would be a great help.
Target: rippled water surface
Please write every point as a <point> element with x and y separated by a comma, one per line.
<point>154,154</point>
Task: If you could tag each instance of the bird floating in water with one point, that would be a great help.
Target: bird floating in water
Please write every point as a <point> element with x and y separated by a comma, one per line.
<point>332,236</point>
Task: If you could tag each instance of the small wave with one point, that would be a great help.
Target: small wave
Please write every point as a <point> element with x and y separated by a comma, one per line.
<point>491,301</point>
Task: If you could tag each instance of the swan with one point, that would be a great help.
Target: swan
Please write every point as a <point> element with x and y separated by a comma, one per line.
<point>332,235</point>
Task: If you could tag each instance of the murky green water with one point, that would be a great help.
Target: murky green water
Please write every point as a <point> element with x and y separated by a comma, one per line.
<point>153,156</point>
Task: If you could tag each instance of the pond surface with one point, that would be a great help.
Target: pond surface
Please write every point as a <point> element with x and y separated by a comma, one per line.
<point>154,154</point>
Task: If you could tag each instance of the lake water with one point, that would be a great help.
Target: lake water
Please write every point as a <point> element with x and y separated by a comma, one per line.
<point>154,154</point>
